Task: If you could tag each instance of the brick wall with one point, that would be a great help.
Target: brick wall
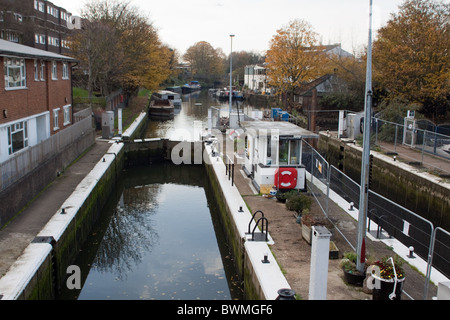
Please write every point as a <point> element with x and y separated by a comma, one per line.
<point>38,96</point>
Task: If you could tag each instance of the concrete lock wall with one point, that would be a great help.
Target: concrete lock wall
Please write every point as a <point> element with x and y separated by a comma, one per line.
<point>41,269</point>
<point>261,280</point>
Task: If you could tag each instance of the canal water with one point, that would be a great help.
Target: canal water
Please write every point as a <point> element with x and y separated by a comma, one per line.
<point>193,116</point>
<point>160,235</point>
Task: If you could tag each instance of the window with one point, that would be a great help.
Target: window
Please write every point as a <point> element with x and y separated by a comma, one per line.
<point>42,38</point>
<point>294,152</point>
<point>17,137</point>
<point>15,75</point>
<point>42,71</point>
<point>55,119</point>
<point>65,74</point>
<point>67,115</point>
<point>18,17</point>
<point>289,152</point>
<point>54,71</point>
<point>36,70</point>
<point>41,7</point>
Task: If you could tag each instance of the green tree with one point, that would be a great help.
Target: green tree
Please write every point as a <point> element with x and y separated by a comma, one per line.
<point>206,62</point>
<point>412,59</point>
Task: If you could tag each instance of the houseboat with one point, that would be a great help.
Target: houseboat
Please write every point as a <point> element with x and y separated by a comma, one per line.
<point>168,95</point>
<point>273,155</point>
<point>191,87</point>
<point>224,94</point>
<point>161,109</point>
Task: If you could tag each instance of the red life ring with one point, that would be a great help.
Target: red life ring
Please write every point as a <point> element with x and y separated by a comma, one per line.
<point>286,178</point>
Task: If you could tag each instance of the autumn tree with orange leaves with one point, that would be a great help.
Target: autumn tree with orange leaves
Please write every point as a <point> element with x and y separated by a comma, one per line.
<point>412,58</point>
<point>294,58</point>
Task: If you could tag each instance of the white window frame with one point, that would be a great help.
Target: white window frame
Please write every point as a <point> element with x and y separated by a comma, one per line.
<point>54,70</point>
<point>56,119</point>
<point>10,64</point>
<point>67,114</point>
<point>36,70</point>
<point>65,72</point>
<point>20,126</point>
<point>42,70</point>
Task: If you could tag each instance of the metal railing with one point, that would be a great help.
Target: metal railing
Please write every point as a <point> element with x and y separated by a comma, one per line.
<point>399,222</point>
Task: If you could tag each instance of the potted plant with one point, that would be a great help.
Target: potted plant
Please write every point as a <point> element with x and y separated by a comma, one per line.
<point>351,274</point>
<point>387,278</point>
<point>297,202</point>
<point>301,204</point>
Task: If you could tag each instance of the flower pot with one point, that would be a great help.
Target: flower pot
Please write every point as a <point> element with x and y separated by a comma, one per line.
<point>386,288</point>
<point>354,278</point>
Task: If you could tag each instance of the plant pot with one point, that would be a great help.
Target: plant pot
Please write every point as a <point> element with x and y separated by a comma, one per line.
<point>386,288</point>
<point>356,278</point>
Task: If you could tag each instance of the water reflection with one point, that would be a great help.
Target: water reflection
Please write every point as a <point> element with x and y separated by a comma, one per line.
<point>194,108</point>
<point>161,239</point>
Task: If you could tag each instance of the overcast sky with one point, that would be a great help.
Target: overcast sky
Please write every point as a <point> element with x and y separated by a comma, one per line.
<point>253,22</point>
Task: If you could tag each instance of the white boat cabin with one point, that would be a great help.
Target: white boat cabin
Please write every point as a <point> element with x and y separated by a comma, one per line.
<point>273,155</point>
<point>168,95</point>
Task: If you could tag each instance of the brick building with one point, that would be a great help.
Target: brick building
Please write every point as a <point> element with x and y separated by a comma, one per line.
<point>37,23</point>
<point>35,96</point>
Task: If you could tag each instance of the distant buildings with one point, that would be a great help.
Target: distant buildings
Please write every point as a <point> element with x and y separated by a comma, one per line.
<point>256,79</point>
<point>37,23</point>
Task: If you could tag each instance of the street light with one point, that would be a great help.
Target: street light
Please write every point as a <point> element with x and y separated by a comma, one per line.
<point>231,74</point>
<point>364,187</point>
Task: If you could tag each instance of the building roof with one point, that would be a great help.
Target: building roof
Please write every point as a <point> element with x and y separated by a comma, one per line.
<point>286,129</point>
<point>19,50</point>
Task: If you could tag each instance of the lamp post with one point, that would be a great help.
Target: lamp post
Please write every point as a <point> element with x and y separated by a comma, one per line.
<point>363,195</point>
<point>231,75</point>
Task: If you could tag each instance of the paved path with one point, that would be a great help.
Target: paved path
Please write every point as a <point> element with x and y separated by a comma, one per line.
<point>293,253</point>
<point>407,154</point>
<point>18,234</point>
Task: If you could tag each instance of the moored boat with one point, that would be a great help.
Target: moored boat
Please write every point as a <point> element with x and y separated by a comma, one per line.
<point>167,95</point>
<point>191,87</point>
<point>161,109</point>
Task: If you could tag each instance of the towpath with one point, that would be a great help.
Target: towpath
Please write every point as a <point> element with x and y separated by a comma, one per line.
<point>18,233</point>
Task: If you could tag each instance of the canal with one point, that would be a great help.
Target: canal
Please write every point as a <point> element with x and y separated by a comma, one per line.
<point>159,237</point>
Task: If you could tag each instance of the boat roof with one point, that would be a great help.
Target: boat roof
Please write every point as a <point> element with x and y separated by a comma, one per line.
<point>9,48</point>
<point>286,129</point>
<point>166,92</point>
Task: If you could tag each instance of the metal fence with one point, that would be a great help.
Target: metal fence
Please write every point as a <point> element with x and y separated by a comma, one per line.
<point>423,136</point>
<point>24,161</point>
<point>395,220</point>
<point>391,137</point>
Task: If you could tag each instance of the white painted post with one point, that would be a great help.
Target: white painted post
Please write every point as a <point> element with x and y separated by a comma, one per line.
<point>320,250</point>
<point>119,112</point>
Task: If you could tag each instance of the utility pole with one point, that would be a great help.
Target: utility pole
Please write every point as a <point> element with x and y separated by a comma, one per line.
<point>364,191</point>
<point>231,77</point>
